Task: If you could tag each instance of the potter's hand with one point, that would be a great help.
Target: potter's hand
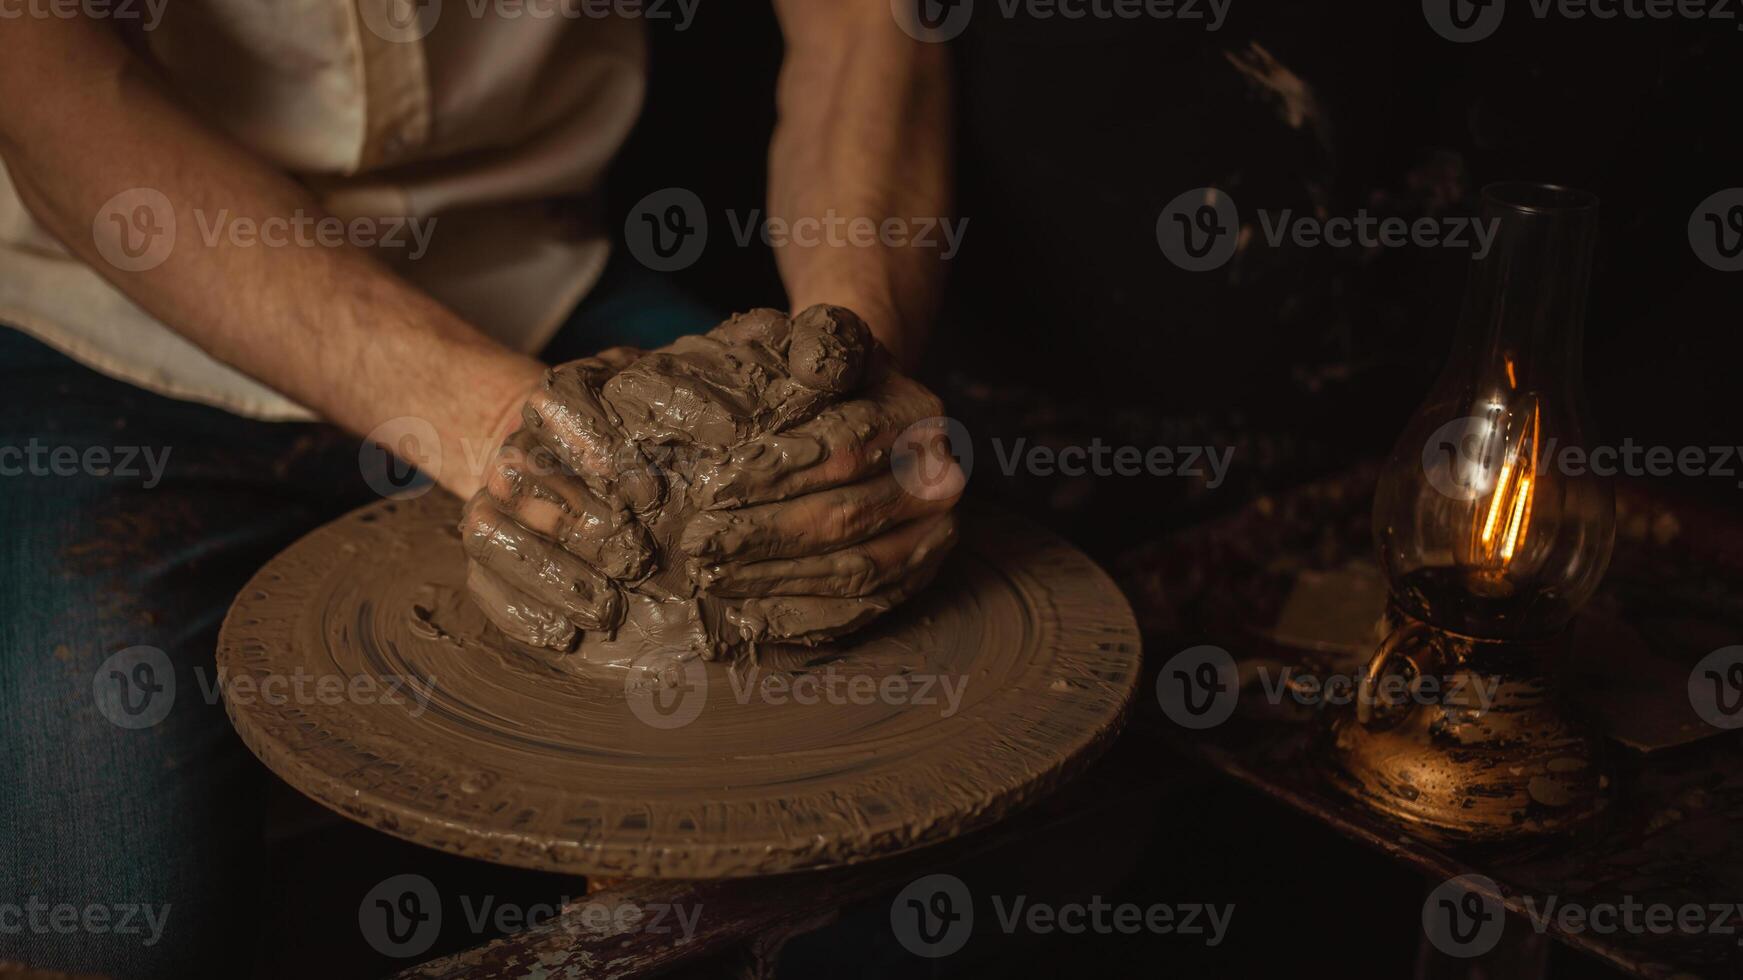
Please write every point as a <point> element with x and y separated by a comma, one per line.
<point>755,458</point>
<point>612,442</point>
<point>798,420</point>
<point>552,530</point>
<point>815,510</point>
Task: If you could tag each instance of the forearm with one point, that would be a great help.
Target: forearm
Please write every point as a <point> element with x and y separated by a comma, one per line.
<point>326,325</point>
<point>863,134</point>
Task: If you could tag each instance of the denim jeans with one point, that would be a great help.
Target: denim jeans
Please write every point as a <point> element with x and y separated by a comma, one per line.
<point>132,843</point>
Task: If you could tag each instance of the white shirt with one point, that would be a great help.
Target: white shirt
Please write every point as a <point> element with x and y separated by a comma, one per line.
<point>470,120</point>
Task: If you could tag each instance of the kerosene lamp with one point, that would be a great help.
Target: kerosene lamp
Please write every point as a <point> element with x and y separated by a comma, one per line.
<point>1492,532</point>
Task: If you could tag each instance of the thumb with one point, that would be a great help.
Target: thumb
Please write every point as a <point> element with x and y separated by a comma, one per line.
<point>830,349</point>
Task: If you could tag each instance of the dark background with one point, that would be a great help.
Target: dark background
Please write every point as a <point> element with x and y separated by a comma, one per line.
<point>1064,320</point>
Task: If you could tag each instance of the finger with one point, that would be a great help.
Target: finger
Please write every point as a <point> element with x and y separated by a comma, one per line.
<point>844,443</point>
<point>517,615</point>
<point>857,570</point>
<point>538,568</point>
<point>810,524</point>
<point>814,619</point>
<point>567,416</point>
<point>529,484</point>
<point>830,348</point>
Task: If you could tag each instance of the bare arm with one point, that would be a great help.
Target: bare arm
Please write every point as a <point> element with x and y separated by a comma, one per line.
<point>81,120</point>
<point>864,131</point>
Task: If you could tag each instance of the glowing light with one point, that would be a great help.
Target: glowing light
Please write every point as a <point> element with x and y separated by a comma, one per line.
<point>1517,523</point>
<point>1496,501</point>
<point>1502,532</point>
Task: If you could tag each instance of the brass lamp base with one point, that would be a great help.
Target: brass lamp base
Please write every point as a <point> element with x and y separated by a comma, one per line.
<point>1464,741</point>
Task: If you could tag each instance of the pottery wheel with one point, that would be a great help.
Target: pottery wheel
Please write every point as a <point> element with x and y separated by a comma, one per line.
<point>396,709</point>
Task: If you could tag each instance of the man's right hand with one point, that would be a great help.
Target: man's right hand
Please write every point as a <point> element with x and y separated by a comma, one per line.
<point>553,529</point>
